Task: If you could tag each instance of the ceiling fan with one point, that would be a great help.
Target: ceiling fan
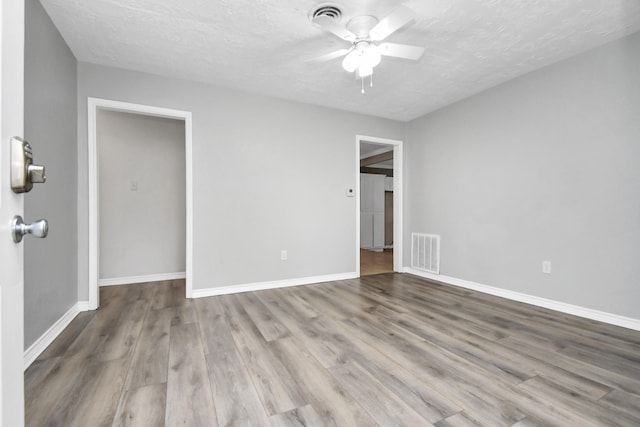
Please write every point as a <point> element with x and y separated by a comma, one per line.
<point>364,33</point>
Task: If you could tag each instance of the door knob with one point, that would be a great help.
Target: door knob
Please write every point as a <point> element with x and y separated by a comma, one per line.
<point>40,228</point>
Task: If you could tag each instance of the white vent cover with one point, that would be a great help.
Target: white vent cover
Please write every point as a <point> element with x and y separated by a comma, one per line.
<point>425,252</point>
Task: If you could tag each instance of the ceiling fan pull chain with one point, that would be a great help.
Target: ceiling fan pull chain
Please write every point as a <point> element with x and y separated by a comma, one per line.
<point>371,81</point>
<point>362,82</point>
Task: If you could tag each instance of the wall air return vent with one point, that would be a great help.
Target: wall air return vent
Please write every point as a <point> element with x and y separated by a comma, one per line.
<point>425,252</point>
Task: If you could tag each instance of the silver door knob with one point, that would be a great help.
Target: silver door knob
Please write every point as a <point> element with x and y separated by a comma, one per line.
<point>40,228</point>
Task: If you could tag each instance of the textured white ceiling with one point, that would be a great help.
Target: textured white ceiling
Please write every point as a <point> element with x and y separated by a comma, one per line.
<point>265,46</point>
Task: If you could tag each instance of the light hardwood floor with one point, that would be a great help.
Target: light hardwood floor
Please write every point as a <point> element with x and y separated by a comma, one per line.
<point>376,262</point>
<point>385,350</point>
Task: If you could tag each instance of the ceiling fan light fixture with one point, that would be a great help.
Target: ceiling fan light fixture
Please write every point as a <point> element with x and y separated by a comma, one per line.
<point>351,61</point>
<point>365,70</point>
<point>364,32</point>
<point>363,58</point>
<point>372,55</point>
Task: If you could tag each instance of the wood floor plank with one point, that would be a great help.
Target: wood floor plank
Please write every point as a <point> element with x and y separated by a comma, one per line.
<point>277,391</point>
<point>388,349</point>
<point>625,366</point>
<point>98,396</point>
<point>38,373</point>
<point>318,298</point>
<point>270,328</point>
<point>151,355</point>
<point>582,411</point>
<point>502,362</point>
<point>459,420</point>
<point>322,348</point>
<point>384,407</point>
<point>431,310</point>
<point>189,397</point>
<point>301,309</point>
<point>162,296</point>
<point>54,400</point>
<point>531,422</point>
<point>575,366</point>
<point>142,407</point>
<point>623,402</point>
<point>235,397</point>
<point>123,333</point>
<point>320,389</point>
<point>305,416</point>
<point>183,314</point>
<point>440,370</point>
<point>419,395</point>
<point>68,335</point>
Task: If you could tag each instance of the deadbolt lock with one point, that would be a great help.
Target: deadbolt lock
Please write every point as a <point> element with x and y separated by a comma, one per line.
<point>23,172</point>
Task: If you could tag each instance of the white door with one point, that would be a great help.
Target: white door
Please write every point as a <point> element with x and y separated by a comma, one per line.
<point>11,268</point>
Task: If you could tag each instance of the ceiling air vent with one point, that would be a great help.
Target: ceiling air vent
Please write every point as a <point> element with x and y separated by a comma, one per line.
<point>327,10</point>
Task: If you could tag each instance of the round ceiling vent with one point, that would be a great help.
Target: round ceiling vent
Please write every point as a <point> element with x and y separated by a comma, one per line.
<point>328,10</point>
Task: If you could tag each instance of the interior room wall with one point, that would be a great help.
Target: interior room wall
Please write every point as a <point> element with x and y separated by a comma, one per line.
<point>142,200</point>
<point>544,167</point>
<point>50,269</point>
<point>258,181</point>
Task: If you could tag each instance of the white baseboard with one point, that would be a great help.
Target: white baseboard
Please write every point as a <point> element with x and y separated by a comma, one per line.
<point>261,286</point>
<point>84,306</point>
<point>141,279</point>
<point>587,313</point>
<point>51,334</point>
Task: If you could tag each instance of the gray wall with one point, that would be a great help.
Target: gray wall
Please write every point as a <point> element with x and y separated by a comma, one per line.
<point>260,183</point>
<point>544,167</point>
<point>50,285</point>
<point>142,231</point>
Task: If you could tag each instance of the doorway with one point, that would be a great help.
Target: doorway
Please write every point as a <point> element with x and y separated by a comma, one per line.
<point>379,205</point>
<point>141,198</point>
<point>96,106</point>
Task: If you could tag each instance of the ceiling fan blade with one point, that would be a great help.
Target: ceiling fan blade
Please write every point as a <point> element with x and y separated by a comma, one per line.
<point>401,50</point>
<point>391,23</point>
<point>332,55</point>
<point>328,24</point>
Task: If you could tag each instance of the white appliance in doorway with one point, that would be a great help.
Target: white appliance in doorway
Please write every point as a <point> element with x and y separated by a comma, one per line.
<point>372,201</point>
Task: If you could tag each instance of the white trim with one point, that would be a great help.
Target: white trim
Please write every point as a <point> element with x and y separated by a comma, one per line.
<point>587,313</point>
<point>398,164</point>
<point>261,286</point>
<point>113,281</point>
<point>94,256</point>
<point>381,150</point>
<point>83,305</point>
<point>41,344</point>
<point>188,153</point>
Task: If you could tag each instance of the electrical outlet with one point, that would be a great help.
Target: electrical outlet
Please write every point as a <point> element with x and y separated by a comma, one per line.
<point>283,255</point>
<point>546,267</point>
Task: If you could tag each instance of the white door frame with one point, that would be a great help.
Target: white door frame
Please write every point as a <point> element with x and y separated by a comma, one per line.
<point>94,105</point>
<point>397,198</point>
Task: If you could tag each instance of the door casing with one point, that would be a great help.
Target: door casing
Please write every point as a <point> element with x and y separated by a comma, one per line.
<point>94,104</point>
<point>397,198</point>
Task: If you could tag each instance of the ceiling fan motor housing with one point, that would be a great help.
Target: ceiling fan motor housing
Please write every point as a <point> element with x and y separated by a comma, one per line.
<point>361,25</point>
